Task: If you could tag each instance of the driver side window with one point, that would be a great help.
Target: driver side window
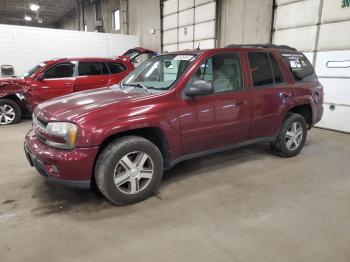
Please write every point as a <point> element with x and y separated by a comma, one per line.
<point>223,71</point>
<point>60,71</point>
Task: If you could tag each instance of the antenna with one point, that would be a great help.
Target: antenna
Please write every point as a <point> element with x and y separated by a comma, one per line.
<point>198,46</point>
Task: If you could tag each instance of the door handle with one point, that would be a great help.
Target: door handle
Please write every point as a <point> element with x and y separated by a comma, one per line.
<point>68,84</point>
<point>285,94</point>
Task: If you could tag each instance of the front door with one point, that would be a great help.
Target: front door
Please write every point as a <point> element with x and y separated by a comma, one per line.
<point>57,81</point>
<point>91,75</point>
<point>222,118</point>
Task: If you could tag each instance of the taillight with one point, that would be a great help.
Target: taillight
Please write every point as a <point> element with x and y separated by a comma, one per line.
<point>318,95</point>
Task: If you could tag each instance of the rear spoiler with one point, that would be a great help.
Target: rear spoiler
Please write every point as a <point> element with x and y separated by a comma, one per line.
<point>132,54</point>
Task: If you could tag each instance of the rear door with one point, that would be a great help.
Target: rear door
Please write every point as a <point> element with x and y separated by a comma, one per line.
<point>270,93</point>
<point>222,118</point>
<point>90,75</point>
<point>118,71</point>
<point>57,81</point>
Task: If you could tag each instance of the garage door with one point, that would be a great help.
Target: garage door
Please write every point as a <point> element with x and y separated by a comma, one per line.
<point>320,28</point>
<point>188,24</point>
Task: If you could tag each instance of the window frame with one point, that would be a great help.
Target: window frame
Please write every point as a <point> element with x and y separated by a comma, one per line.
<point>61,63</point>
<point>273,84</point>
<point>101,62</point>
<point>279,66</point>
<point>241,62</point>
<point>110,71</point>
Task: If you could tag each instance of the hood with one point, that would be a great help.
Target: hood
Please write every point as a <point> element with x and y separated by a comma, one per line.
<point>11,80</point>
<point>11,85</point>
<point>77,105</point>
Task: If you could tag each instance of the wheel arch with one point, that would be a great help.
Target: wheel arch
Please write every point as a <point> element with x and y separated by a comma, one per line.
<point>14,98</point>
<point>151,133</point>
<point>305,110</point>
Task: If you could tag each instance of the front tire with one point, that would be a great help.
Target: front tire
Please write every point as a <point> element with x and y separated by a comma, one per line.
<point>10,112</point>
<point>129,170</point>
<point>292,136</point>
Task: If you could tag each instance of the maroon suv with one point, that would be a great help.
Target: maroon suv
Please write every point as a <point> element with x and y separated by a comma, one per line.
<point>171,108</point>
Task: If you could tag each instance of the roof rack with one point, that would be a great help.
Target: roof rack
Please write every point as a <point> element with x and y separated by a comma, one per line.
<point>285,47</point>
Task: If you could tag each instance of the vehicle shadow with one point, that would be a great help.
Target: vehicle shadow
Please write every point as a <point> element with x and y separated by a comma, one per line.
<point>213,162</point>
<point>55,199</point>
<point>89,203</point>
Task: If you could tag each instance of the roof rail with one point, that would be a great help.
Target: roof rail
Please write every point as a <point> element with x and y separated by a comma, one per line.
<point>285,47</point>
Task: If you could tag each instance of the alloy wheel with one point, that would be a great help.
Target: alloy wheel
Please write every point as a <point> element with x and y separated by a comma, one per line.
<point>7,114</point>
<point>133,172</point>
<point>294,136</point>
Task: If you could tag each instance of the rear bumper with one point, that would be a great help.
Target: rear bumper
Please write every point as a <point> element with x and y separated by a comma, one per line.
<point>67,167</point>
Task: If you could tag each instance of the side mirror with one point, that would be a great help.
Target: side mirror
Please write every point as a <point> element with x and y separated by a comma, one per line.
<point>40,77</point>
<point>199,88</point>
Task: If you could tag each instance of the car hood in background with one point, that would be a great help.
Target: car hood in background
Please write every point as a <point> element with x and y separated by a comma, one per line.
<point>11,85</point>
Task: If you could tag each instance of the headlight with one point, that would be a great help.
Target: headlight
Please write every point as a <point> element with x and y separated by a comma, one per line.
<point>61,135</point>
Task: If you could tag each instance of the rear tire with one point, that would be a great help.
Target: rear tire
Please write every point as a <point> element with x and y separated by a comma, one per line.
<point>129,170</point>
<point>10,112</point>
<point>292,136</point>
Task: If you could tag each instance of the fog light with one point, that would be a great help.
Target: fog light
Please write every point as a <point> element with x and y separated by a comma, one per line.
<point>52,170</point>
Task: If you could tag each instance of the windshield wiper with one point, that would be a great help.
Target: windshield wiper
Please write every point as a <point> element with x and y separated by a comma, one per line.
<point>137,85</point>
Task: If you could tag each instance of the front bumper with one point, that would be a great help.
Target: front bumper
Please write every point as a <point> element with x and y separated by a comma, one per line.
<point>68,167</point>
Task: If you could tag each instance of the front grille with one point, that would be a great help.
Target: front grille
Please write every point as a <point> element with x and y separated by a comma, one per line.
<point>39,127</point>
<point>41,138</point>
<point>39,122</point>
<point>42,122</point>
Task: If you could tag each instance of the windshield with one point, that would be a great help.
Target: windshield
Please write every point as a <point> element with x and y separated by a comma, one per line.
<point>34,69</point>
<point>160,72</point>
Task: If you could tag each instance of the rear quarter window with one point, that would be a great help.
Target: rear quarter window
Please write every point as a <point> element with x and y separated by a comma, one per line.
<point>300,67</point>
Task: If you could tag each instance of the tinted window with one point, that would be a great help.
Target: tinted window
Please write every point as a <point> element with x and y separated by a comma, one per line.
<point>260,68</point>
<point>105,70</point>
<point>277,74</point>
<point>223,71</point>
<point>300,67</point>
<point>90,68</point>
<point>116,68</point>
<point>60,71</point>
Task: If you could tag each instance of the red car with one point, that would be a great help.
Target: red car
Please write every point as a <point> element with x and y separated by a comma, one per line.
<point>175,107</point>
<point>59,77</point>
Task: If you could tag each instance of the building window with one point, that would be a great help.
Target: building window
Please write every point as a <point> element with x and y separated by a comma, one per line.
<point>116,20</point>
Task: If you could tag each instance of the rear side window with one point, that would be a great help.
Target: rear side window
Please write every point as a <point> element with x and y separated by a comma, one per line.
<point>300,67</point>
<point>264,69</point>
<point>260,69</point>
<point>277,74</point>
<point>91,68</point>
<point>116,68</point>
<point>105,70</point>
<point>60,71</point>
